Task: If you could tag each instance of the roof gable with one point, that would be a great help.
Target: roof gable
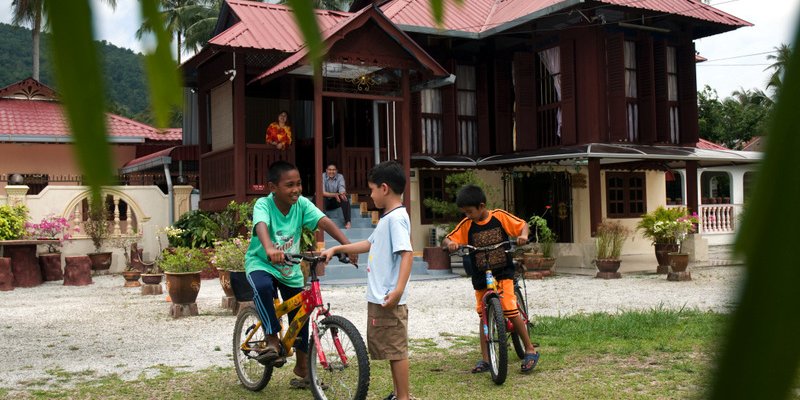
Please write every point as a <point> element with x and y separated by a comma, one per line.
<point>29,89</point>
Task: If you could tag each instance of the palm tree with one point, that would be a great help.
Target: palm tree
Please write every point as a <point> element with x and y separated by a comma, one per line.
<point>337,5</point>
<point>33,12</point>
<point>781,58</point>
<point>177,16</point>
<point>203,21</point>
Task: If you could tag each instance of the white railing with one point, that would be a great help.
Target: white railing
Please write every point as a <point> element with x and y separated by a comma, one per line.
<point>719,218</point>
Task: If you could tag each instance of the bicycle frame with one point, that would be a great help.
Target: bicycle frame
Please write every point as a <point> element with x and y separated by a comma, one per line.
<point>307,300</point>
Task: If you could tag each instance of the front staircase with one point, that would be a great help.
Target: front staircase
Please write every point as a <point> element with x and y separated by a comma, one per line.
<point>360,228</point>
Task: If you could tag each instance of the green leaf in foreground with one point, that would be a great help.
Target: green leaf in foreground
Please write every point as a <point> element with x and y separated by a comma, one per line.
<point>162,74</point>
<point>761,351</point>
<point>80,82</point>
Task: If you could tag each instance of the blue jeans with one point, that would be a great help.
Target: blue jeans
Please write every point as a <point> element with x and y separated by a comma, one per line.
<point>264,286</point>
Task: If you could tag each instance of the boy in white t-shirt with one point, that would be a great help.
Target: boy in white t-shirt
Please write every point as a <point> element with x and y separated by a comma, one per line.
<point>388,271</point>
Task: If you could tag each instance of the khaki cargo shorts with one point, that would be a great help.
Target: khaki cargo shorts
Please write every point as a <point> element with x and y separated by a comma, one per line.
<point>387,332</point>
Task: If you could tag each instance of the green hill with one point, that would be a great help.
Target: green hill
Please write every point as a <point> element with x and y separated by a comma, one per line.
<point>126,86</point>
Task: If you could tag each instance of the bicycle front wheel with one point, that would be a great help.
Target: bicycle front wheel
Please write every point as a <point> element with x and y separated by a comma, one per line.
<point>345,371</point>
<point>497,341</point>
<point>253,375</point>
<point>522,307</point>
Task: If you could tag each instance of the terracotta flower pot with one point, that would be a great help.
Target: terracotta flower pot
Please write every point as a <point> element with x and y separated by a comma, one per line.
<point>678,262</point>
<point>225,281</point>
<point>183,287</point>
<point>608,268</point>
<point>6,276</point>
<point>131,278</point>
<point>100,261</point>
<point>662,250</point>
<point>152,279</point>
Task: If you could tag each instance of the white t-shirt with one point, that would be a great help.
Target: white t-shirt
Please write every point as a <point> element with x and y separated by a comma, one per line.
<point>390,238</point>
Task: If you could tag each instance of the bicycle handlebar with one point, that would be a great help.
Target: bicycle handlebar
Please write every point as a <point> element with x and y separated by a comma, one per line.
<point>296,258</point>
<point>466,249</point>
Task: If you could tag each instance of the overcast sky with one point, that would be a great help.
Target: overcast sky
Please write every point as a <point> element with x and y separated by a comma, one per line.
<point>736,58</point>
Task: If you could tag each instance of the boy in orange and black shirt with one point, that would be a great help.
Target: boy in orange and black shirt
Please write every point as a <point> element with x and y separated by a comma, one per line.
<point>483,227</point>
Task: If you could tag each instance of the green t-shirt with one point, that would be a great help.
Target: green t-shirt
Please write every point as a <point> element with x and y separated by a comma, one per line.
<point>284,231</point>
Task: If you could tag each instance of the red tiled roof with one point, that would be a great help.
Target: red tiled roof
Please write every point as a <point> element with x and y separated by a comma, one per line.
<point>709,145</point>
<point>45,118</point>
<point>482,16</point>
<point>274,30</point>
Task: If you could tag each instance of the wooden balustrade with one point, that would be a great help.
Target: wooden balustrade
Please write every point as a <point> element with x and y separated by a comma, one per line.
<point>259,158</point>
<point>217,174</point>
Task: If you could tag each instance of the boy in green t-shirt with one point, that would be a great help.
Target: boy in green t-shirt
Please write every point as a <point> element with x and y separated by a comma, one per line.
<point>278,221</point>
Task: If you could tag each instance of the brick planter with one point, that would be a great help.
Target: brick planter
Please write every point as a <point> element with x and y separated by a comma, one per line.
<point>50,264</point>
<point>6,276</point>
<point>77,271</point>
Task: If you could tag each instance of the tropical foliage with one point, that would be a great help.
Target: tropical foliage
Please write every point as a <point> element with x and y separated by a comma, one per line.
<point>544,237</point>
<point>194,229</point>
<point>12,221</point>
<point>96,226</point>
<point>659,224</point>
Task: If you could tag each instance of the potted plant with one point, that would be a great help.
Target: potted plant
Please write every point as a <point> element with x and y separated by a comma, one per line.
<point>541,257</point>
<point>658,226</point>
<point>308,243</point>
<point>196,229</point>
<point>182,267</point>
<point>228,258</point>
<point>51,228</point>
<point>610,237</point>
<point>96,227</point>
<point>131,273</point>
<point>678,260</point>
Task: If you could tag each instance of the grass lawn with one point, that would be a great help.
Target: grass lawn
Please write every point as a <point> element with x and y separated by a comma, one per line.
<point>660,354</point>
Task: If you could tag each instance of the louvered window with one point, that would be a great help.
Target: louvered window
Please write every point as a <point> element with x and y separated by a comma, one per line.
<point>467,109</point>
<point>431,119</point>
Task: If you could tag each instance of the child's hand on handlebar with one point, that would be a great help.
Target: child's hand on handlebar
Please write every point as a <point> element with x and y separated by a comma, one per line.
<point>328,253</point>
<point>522,240</point>
<point>276,256</point>
<point>452,246</point>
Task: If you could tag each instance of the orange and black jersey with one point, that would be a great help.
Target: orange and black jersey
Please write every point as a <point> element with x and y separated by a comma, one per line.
<point>496,228</point>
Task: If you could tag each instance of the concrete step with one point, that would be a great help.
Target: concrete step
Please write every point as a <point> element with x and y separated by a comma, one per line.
<point>346,275</point>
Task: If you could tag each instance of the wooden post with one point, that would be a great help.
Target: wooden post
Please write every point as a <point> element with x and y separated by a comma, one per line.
<point>691,187</point>
<point>318,167</point>
<point>239,134</point>
<point>405,137</point>
<point>595,195</point>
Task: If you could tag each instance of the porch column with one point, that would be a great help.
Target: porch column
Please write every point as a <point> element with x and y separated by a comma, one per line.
<point>405,137</point>
<point>239,145</point>
<point>318,167</point>
<point>595,196</point>
<point>692,187</point>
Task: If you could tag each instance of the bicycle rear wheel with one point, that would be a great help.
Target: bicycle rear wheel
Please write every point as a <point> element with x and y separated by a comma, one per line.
<point>497,341</point>
<point>253,375</point>
<point>522,307</point>
<point>346,375</point>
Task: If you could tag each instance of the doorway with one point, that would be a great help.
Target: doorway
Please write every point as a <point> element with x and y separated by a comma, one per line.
<point>547,194</point>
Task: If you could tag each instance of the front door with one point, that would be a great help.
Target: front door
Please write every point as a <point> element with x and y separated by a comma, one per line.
<point>548,194</point>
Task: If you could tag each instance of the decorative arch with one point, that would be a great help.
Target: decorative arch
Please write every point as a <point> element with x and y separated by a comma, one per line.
<point>135,214</point>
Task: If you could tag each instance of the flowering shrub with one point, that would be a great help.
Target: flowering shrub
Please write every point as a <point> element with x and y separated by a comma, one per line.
<point>229,254</point>
<point>52,227</point>
<point>683,226</point>
<point>280,137</point>
<point>174,236</point>
<point>659,225</point>
<point>183,259</point>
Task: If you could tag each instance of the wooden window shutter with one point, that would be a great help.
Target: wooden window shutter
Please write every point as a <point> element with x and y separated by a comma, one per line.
<point>615,56</point>
<point>525,96</point>
<point>449,115</point>
<point>504,106</point>
<point>485,133</point>
<point>568,111</point>
<point>647,90</point>
<point>416,123</point>
<point>687,93</point>
<point>660,84</point>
